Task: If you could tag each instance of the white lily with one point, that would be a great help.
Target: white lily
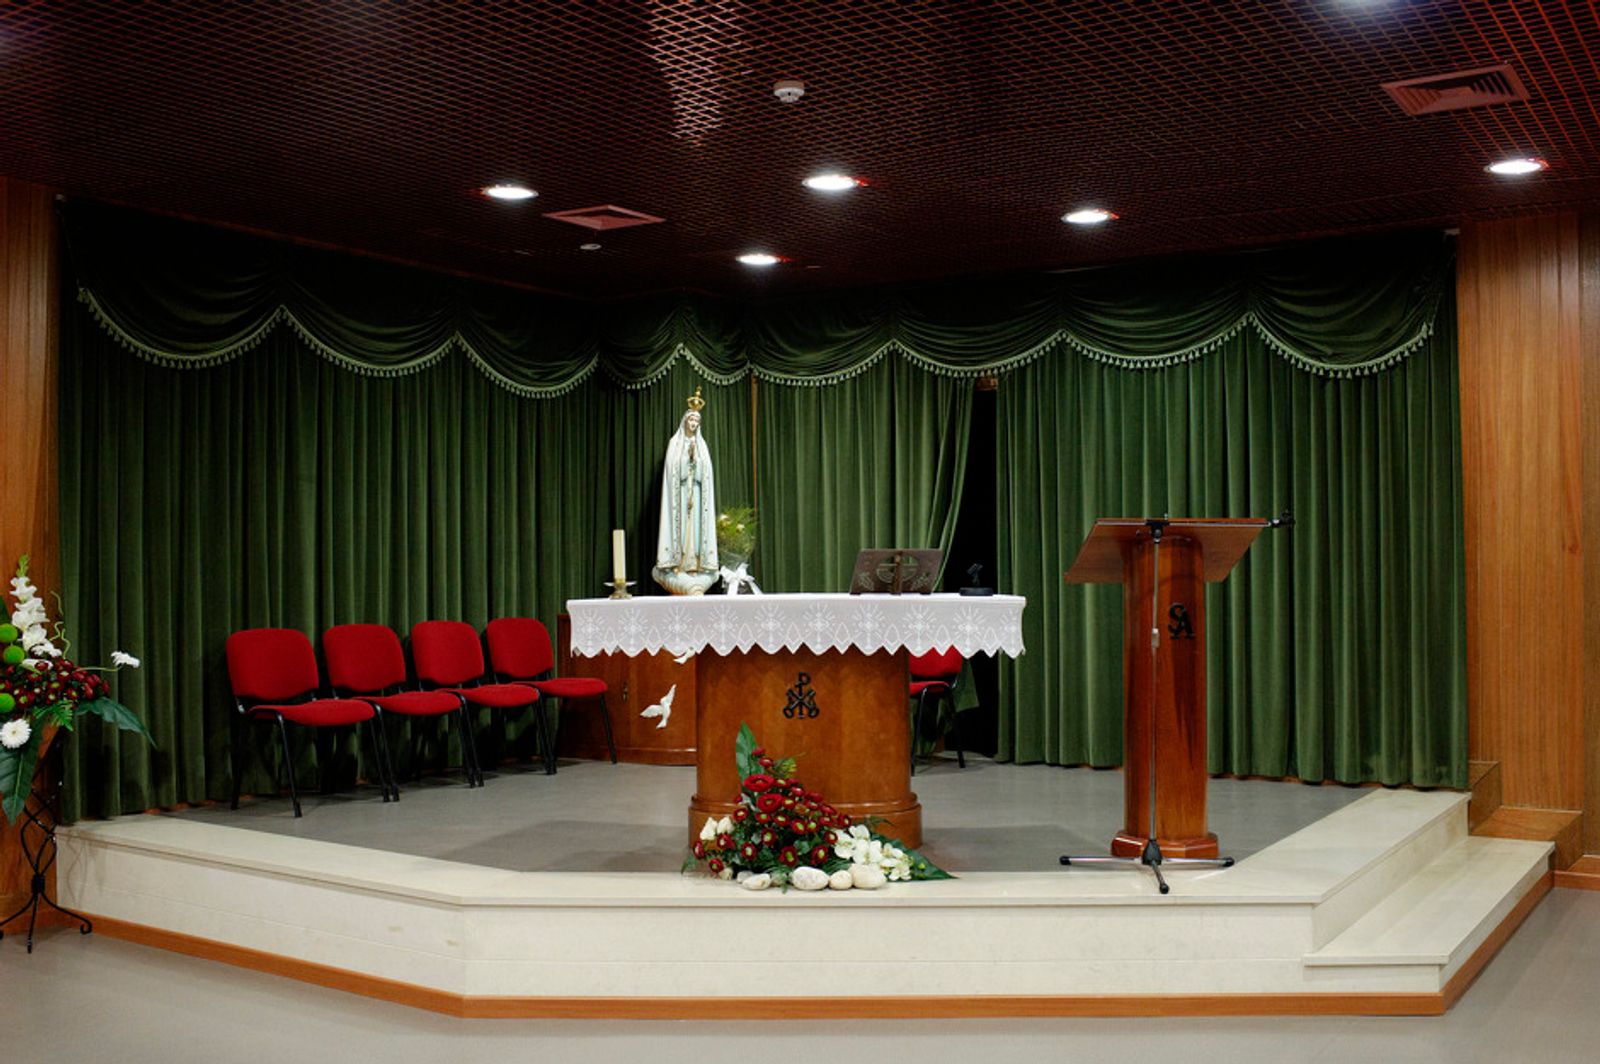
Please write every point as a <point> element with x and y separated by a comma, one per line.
<point>709,832</point>
<point>725,826</point>
<point>119,658</point>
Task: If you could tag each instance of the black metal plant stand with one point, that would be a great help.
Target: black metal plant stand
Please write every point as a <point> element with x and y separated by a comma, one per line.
<point>40,817</point>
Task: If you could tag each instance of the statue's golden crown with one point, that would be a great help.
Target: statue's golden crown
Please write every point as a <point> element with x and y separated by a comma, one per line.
<point>696,403</point>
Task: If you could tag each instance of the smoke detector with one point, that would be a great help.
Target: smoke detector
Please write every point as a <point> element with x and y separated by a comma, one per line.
<point>788,90</point>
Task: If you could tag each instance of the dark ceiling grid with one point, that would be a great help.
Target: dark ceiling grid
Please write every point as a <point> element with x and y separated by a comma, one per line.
<point>1204,124</point>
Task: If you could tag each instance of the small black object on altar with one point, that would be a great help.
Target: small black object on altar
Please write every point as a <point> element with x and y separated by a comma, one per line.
<point>974,588</point>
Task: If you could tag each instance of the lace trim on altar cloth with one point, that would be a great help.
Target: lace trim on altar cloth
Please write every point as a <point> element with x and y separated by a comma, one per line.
<point>819,623</point>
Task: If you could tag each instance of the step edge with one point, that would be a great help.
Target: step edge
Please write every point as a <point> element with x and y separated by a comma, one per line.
<point>1329,956</point>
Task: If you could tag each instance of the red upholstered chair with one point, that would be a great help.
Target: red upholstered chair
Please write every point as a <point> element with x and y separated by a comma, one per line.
<point>366,661</point>
<point>273,672</point>
<point>449,657</point>
<point>933,677</point>
<point>519,652</point>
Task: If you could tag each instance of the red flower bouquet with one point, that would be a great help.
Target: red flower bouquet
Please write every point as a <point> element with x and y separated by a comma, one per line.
<point>781,826</point>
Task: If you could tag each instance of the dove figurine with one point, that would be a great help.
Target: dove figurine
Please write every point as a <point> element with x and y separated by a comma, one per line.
<point>662,709</point>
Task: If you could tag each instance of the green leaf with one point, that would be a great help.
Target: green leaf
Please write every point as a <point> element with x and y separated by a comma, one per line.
<point>921,867</point>
<point>16,778</point>
<point>113,712</point>
<point>743,758</point>
<point>59,714</point>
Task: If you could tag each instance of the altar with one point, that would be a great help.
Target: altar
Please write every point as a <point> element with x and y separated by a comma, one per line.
<point>821,678</point>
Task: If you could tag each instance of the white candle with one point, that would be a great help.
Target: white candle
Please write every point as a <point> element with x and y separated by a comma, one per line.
<point>618,572</point>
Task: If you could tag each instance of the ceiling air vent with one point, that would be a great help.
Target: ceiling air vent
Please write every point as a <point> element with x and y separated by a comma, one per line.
<point>1452,92</point>
<point>605,216</point>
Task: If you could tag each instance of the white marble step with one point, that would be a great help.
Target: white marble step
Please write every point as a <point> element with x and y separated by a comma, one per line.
<point>1443,912</point>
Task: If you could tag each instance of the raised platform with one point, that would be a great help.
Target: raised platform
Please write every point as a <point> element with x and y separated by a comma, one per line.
<point>1384,906</point>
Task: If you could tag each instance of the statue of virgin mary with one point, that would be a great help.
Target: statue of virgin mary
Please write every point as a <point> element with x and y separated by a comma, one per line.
<point>686,549</point>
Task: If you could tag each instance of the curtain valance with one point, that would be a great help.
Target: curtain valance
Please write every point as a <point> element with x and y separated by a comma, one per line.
<point>183,295</point>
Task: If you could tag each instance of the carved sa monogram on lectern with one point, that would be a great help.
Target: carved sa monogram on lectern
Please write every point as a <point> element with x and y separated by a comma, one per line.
<point>1182,627</point>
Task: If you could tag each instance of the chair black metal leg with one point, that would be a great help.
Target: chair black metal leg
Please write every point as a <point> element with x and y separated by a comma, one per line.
<point>955,722</point>
<point>239,729</point>
<point>547,742</point>
<point>469,751</point>
<point>475,777</point>
<point>375,732</point>
<point>288,765</point>
<point>382,724</point>
<point>605,719</point>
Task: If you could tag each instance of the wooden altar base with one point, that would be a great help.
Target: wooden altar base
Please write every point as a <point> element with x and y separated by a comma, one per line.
<point>1385,906</point>
<point>842,715</point>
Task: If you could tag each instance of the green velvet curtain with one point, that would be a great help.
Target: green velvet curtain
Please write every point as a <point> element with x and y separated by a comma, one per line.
<point>186,296</point>
<point>873,461</point>
<point>280,489</point>
<point>255,434</point>
<point>1336,650</point>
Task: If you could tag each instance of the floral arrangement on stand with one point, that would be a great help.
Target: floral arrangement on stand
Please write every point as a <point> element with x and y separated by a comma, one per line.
<point>736,541</point>
<point>783,834</point>
<point>40,686</point>
<point>736,531</point>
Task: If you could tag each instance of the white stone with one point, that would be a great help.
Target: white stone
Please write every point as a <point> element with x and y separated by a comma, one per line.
<point>841,880</point>
<point>744,874</point>
<point>808,878</point>
<point>867,877</point>
<point>760,881</point>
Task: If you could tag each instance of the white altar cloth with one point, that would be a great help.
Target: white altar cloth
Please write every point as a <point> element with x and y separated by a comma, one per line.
<point>686,624</point>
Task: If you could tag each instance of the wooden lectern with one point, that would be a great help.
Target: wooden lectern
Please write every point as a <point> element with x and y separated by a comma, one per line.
<point>1163,565</point>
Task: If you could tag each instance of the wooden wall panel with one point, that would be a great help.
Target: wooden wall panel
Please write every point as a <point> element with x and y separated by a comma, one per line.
<point>1589,354</point>
<point>1523,479</point>
<point>28,511</point>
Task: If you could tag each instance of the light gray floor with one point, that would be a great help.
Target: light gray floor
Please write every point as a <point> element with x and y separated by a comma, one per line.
<point>96,999</point>
<point>594,816</point>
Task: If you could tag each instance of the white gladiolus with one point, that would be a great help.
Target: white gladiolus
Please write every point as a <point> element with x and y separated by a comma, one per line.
<point>29,614</point>
<point>709,832</point>
<point>14,734</point>
<point>119,658</point>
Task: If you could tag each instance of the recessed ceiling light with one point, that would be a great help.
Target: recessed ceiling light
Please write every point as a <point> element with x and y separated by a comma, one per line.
<point>831,182</point>
<point>1088,216</point>
<point>1530,164</point>
<point>510,193</point>
<point>759,258</point>
<point>588,247</point>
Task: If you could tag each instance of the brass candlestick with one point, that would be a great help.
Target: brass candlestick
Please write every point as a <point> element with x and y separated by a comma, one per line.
<point>619,588</point>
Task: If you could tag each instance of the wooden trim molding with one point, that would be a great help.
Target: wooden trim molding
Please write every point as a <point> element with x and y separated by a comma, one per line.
<point>1481,956</point>
<point>885,1007</point>
<point>1583,875</point>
